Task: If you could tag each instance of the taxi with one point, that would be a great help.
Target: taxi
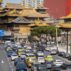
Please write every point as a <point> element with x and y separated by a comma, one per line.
<point>49,58</point>
<point>19,51</point>
<point>30,58</point>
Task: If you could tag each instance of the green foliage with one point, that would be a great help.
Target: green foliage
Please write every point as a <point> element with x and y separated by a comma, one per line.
<point>45,30</point>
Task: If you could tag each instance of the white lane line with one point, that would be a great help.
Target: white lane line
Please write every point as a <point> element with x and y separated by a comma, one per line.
<point>10,65</point>
<point>2,61</point>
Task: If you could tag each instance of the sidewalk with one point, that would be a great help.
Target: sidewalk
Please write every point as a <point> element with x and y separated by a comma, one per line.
<point>63,48</point>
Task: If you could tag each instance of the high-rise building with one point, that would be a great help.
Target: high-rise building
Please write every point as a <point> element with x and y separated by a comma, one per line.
<point>40,3</point>
<point>32,3</point>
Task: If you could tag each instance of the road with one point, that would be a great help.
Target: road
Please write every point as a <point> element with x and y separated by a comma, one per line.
<point>64,60</point>
<point>5,64</point>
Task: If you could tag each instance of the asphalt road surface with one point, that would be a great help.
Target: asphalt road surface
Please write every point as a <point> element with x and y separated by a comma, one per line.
<point>5,64</point>
<point>64,60</point>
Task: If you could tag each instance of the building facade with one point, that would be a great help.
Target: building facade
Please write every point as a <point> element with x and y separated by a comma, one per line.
<point>32,3</point>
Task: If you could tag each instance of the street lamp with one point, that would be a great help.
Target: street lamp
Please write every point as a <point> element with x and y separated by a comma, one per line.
<point>57,26</point>
<point>57,36</point>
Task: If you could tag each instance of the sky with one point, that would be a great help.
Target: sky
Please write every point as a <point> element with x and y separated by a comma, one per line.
<point>12,1</point>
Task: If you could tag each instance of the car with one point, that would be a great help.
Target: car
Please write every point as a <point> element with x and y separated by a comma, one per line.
<point>14,48</point>
<point>14,56</point>
<point>53,50</point>
<point>69,57</point>
<point>58,62</point>
<point>21,66</point>
<point>47,52</point>
<point>20,50</point>
<point>9,53</point>
<point>62,54</point>
<point>27,51</point>
<point>66,55</point>
<point>49,65</point>
<point>30,58</point>
<point>40,59</point>
<point>40,53</point>
<point>39,67</point>
<point>8,48</point>
<point>49,58</point>
<point>17,60</point>
<point>23,55</point>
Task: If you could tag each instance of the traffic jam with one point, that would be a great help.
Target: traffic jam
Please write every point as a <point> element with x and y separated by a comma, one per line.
<point>36,56</point>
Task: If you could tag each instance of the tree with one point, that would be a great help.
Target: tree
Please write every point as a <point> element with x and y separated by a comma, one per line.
<point>45,30</point>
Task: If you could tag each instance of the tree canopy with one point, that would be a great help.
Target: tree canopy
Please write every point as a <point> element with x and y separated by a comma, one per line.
<point>45,30</point>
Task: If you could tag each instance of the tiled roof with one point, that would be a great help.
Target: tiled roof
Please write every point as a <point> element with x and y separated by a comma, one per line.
<point>65,25</point>
<point>32,13</point>
<point>21,20</point>
<point>13,13</point>
<point>68,16</point>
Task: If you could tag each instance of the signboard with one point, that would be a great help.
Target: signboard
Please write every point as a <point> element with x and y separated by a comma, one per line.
<point>7,33</point>
<point>1,33</point>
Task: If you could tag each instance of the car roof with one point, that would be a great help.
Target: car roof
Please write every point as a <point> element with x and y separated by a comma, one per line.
<point>21,65</point>
<point>28,54</point>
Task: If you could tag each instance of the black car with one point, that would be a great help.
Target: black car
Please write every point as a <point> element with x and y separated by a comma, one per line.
<point>69,58</point>
<point>39,67</point>
<point>9,53</point>
<point>21,66</point>
<point>17,61</point>
<point>62,54</point>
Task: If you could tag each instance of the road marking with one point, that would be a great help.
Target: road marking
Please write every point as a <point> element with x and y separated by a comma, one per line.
<point>2,62</point>
<point>63,59</point>
<point>10,65</point>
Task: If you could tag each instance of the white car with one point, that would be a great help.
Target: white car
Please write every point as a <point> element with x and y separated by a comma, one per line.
<point>14,56</point>
<point>41,59</point>
<point>39,53</point>
<point>58,63</point>
<point>23,56</point>
<point>53,50</point>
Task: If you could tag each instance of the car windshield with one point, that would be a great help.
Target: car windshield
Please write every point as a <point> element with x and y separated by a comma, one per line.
<point>42,68</point>
<point>40,58</point>
<point>21,65</point>
<point>30,55</point>
<point>14,54</point>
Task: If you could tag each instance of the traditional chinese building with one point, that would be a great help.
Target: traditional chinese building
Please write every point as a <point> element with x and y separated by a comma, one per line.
<point>19,20</point>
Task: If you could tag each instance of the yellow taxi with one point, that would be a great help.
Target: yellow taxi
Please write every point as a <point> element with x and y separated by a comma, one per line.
<point>30,59</point>
<point>49,58</point>
<point>20,50</point>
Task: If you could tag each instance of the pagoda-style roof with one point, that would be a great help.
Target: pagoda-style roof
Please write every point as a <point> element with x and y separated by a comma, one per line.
<point>13,13</point>
<point>65,25</point>
<point>38,23</point>
<point>2,12</point>
<point>14,6</point>
<point>32,13</point>
<point>65,17</point>
<point>21,20</point>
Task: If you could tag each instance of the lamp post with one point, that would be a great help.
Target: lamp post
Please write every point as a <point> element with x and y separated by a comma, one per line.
<point>57,36</point>
<point>57,26</point>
